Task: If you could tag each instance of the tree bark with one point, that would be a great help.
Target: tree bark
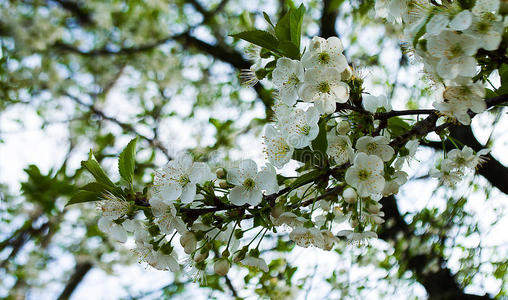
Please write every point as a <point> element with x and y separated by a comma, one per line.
<point>80,271</point>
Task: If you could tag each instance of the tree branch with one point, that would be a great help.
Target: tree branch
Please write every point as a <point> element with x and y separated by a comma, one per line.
<point>80,271</point>
<point>440,284</point>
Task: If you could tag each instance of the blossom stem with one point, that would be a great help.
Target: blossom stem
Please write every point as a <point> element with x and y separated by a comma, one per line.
<point>255,237</point>
<point>259,242</point>
<point>231,235</point>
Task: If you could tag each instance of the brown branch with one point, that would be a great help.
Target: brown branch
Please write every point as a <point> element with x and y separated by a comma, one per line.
<point>439,285</point>
<point>76,8</point>
<point>231,287</point>
<point>328,19</point>
<point>80,271</point>
<point>428,124</point>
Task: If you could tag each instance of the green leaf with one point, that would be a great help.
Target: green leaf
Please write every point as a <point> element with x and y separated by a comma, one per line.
<point>289,49</point>
<point>283,27</point>
<point>94,187</point>
<point>306,178</point>
<point>503,74</point>
<point>92,165</point>
<point>320,143</point>
<point>260,38</point>
<point>84,196</point>
<point>296,20</point>
<point>127,161</point>
<point>304,155</point>
<point>397,126</point>
<point>267,18</point>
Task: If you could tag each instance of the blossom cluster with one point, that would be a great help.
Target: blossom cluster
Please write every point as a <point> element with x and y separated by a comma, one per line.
<point>451,41</point>
<point>457,162</point>
<point>346,163</point>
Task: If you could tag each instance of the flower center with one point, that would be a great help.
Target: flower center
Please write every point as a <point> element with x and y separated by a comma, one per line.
<point>371,147</point>
<point>363,175</point>
<point>184,180</point>
<point>293,80</point>
<point>324,58</point>
<point>456,50</point>
<point>460,160</point>
<point>324,87</point>
<point>249,183</point>
<point>483,27</point>
<point>306,129</point>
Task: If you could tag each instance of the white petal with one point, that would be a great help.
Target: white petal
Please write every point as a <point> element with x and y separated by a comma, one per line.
<point>437,24</point>
<point>254,197</point>
<point>118,233</point>
<point>238,196</point>
<point>462,21</point>
<point>171,192</point>
<point>188,193</point>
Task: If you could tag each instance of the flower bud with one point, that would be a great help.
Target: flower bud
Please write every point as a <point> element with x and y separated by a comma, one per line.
<point>225,253</point>
<point>188,242</point>
<point>221,173</point>
<point>349,195</point>
<point>223,184</point>
<point>277,211</point>
<point>202,255</point>
<point>374,209</point>
<point>221,267</point>
<point>346,74</point>
<point>154,230</point>
<point>343,127</point>
<point>240,255</point>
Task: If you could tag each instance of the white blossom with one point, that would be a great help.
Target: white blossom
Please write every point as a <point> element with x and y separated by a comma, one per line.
<point>304,237</point>
<point>278,151</point>
<point>366,175</point>
<point>300,127</point>
<point>116,231</point>
<point>255,262</point>
<point>165,217</point>
<point>178,179</point>
<point>358,238</point>
<point>325,53</point>
<point>488,30</point>
<point>339,148</point>
<point>446,175</point>
<point>465,158</point>
<point>482,7</point>
<point>287,77</point>
<point>458,98</point>
<point>289,219</point>
<point>378,145</point>
<point>455,53</point>
<point>249,183</point>
<point>113,207</point>
<point>323,87</point>
<point>372,103</point>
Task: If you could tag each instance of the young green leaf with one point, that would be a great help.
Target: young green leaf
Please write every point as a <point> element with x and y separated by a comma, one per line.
<point>260,38</point>
<point>83,196</point>
<point>289,49</point>
<point>267,18</point>
<point>127,161</point>
<point>92,165</point>
<point>296,21</point>
<point>320,143</point>
<point>397,126</point>
<point>283,28</point>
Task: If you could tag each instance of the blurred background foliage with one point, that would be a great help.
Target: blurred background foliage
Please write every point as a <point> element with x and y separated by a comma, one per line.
<point>94,74</point>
